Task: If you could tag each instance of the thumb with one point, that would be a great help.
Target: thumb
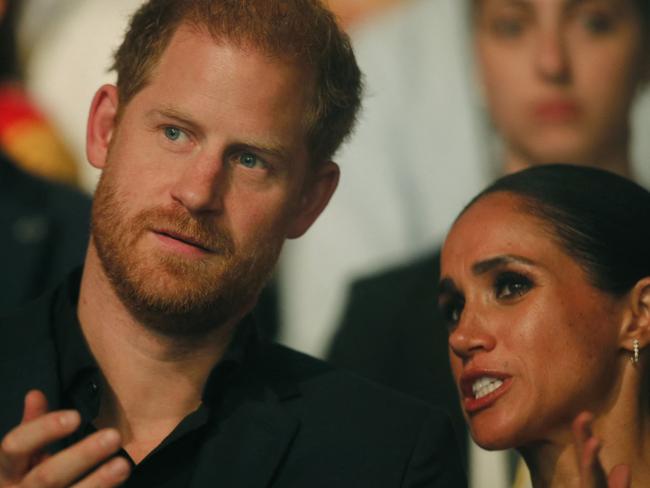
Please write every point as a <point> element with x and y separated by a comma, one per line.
<point>620,477</point>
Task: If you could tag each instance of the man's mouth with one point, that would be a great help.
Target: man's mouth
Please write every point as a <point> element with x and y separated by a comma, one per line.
<point>184,240</point>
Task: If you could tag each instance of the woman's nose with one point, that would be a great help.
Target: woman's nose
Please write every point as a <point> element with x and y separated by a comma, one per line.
<point>471,335</point>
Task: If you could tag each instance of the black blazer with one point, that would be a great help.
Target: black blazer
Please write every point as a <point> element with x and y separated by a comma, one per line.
<point>393,333</point>
<point>299,423</point>
<point>45,228</point>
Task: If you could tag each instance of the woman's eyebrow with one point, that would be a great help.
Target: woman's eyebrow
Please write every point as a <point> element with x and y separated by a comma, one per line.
<point>446,286</point>
<point>483,267</point>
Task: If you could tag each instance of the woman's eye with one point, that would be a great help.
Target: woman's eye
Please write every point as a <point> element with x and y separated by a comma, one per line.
<point>173,133</point>
<point>451,310</point>
<point>511,285</point>
<point>249,160</point>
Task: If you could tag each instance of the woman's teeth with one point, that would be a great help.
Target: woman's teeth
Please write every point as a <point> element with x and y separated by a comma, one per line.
<point>484,386</point>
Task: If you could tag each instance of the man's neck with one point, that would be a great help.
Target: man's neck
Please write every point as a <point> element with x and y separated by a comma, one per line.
<point>153,382</point>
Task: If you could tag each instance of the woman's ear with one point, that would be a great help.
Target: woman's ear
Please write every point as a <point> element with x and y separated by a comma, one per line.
<point>101,125</point>
<point>637,322</point>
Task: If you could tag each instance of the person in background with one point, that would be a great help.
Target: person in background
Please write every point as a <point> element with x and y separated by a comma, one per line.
<point>353,13</point>
<point>559,80</point>
<point>545,290</point>
<point>45,224</point>
<point>25,133</point>
<point>215,146</point>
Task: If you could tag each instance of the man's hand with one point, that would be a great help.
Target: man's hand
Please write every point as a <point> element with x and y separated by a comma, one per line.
<point>592,474</point>
<point>23,463</point>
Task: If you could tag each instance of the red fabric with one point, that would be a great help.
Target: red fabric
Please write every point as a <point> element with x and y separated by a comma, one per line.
<point>16,108</point>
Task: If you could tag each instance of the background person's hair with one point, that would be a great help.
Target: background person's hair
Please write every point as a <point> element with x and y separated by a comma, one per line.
<point>301,31</point>
<point>9,65</point>
<point>599,218</point>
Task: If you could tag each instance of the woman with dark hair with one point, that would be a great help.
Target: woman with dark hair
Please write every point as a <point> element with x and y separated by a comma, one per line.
<point>546,289</point>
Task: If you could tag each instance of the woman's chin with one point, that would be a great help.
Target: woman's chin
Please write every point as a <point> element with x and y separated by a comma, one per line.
<point>496,436</point>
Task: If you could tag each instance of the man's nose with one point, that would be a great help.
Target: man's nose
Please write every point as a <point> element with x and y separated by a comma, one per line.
<point>201,185</point>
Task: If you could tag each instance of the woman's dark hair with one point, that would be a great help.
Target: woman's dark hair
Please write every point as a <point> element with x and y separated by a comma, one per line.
<point>9,65</point>
<point>600,219</point>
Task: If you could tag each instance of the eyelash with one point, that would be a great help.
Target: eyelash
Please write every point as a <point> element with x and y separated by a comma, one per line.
<point>239,156</point>
<point>451,310</point>
<point>168,128</point>
<point>510,285</point>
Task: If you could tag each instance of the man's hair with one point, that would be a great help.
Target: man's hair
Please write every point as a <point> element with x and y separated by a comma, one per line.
<point>300,31</point>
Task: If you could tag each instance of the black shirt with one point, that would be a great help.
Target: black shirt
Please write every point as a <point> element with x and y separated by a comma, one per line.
<point>270,416</point>
<point>171,463</point>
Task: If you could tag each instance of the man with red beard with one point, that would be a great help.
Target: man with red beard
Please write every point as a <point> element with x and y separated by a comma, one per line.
<point>146,369</point>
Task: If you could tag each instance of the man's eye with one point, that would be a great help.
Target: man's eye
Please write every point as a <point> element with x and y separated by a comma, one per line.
<point>173,133</point>
<point>249,160</point>
<point>511,285</point>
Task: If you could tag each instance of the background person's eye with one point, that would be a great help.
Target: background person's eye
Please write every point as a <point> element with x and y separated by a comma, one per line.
<point>597,23</point>
<point>507,27</point>
<point>509,285</point>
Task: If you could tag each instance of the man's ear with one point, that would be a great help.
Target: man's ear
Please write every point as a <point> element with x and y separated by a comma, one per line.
<point>637,320</point>
<point>318,190</point>
<point>101,125</point>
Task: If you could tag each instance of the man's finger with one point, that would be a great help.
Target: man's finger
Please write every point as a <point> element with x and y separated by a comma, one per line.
<point>113,473</point>
<point>35,406</point>
<point>63,468</point>
<point>28,439</point>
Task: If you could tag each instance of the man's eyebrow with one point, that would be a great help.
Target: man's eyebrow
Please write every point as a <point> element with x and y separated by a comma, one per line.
<point>172,113</point>
<point>483,267</point>
<point>269,147</point>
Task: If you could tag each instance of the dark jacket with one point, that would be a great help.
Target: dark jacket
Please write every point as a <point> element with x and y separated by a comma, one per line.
<point>393,333</point>
<point>45,228</point>
<point>292,421</point>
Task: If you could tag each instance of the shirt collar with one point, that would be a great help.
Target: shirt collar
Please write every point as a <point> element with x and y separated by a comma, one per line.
<point>76,363</point>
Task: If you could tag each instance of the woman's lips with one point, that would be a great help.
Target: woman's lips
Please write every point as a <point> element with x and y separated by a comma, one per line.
<point>556,110</point>
<point>481,389</point>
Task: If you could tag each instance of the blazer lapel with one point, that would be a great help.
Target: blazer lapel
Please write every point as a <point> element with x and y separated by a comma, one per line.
<point>247,448</point>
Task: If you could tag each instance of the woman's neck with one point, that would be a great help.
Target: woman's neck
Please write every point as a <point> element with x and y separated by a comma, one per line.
<point>623,428</point>
<point>615,160</point>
